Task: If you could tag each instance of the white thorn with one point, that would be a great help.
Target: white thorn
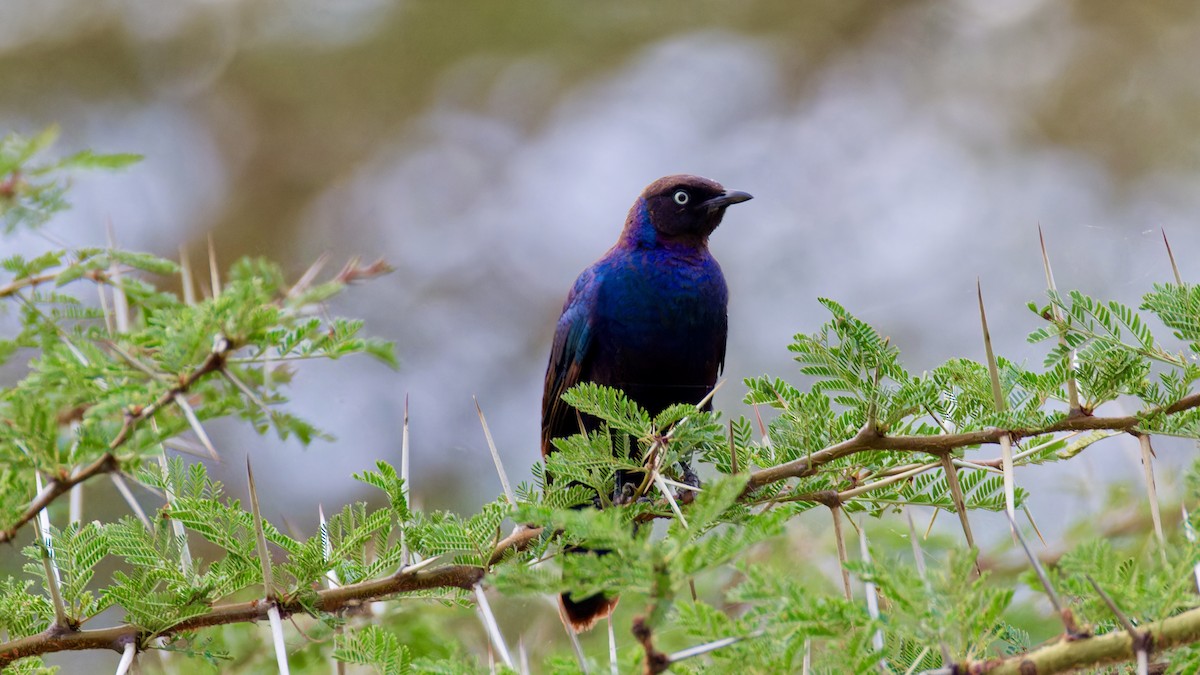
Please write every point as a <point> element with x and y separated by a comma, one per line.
<point>75,504</point>
<point>662,486</point>
<point>120,303</point>
<point>1152,493</point>
<point>572,636</point>
<point>122,487</point>
<point>185,276</point>
<point>1006,460</point>
<point>213,271</point>
<point>1190,533</point>
<point>127,655</point>
<point>872,597</point>
<point>489,623</point>
<point>508,492</point>
<point>277,638</point>
<point>612,647</point>
<point>522,655</point>
<point>194,421</point>
<point>326,547</point>
<point>404,553</point>
<point>710,646</point>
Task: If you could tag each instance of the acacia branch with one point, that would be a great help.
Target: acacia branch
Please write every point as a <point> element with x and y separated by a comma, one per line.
<point>331,600</point>
<point>1114,647</point>
<point>17,285</point>
<point>62,484</point>
<point>866,440</point>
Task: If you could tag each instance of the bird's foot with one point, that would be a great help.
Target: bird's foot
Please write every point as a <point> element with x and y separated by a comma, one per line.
<point>624,493</point>
<point>689,477</point>
<point>627,486</point>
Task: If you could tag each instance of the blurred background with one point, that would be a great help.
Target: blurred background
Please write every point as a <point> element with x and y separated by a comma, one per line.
<point>897,152</point>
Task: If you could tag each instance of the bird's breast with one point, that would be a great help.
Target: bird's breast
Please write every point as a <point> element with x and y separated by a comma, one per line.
<point>661,321</point>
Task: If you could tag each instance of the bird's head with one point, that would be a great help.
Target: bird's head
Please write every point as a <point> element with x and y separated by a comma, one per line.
<point>680,208</point>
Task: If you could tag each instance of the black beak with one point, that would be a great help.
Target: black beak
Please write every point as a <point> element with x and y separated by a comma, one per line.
<point>726,199</point>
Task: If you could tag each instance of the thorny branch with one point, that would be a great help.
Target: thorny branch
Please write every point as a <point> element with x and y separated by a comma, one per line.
<point>1113,647</point>
<point>331,600</point>
<point>866,440</point>
<point>1181,629</point>
<point>107,462</point>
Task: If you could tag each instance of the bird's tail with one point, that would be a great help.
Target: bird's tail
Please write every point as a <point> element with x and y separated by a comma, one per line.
<point>583,614</point>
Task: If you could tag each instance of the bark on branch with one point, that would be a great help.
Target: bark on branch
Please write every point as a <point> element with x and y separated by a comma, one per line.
<point>866,440</point>
<point>107,462</point>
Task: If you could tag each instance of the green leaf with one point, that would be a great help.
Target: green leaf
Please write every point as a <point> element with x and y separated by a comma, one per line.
<point>87,159</point>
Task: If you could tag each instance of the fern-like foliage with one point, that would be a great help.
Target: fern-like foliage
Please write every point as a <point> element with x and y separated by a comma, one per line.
<point>374,647</point>
<point>857,437</point>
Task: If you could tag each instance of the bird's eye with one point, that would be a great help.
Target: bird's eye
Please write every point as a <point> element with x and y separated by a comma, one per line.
<point>681,197</point>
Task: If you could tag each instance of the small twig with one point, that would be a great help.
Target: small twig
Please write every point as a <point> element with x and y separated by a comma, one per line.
<point>681,486</point>
<point>75,504</point>
<point>656,661</point>
<point>55,489</point>
<point>890,480</point>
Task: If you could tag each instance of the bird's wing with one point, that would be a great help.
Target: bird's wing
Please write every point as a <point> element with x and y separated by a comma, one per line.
<point>569,357</point>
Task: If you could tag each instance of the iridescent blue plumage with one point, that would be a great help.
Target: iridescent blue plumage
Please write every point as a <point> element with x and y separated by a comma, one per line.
<point>649,317</point>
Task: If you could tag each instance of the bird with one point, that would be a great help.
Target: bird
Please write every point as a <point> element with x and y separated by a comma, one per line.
<point>650,318</point>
